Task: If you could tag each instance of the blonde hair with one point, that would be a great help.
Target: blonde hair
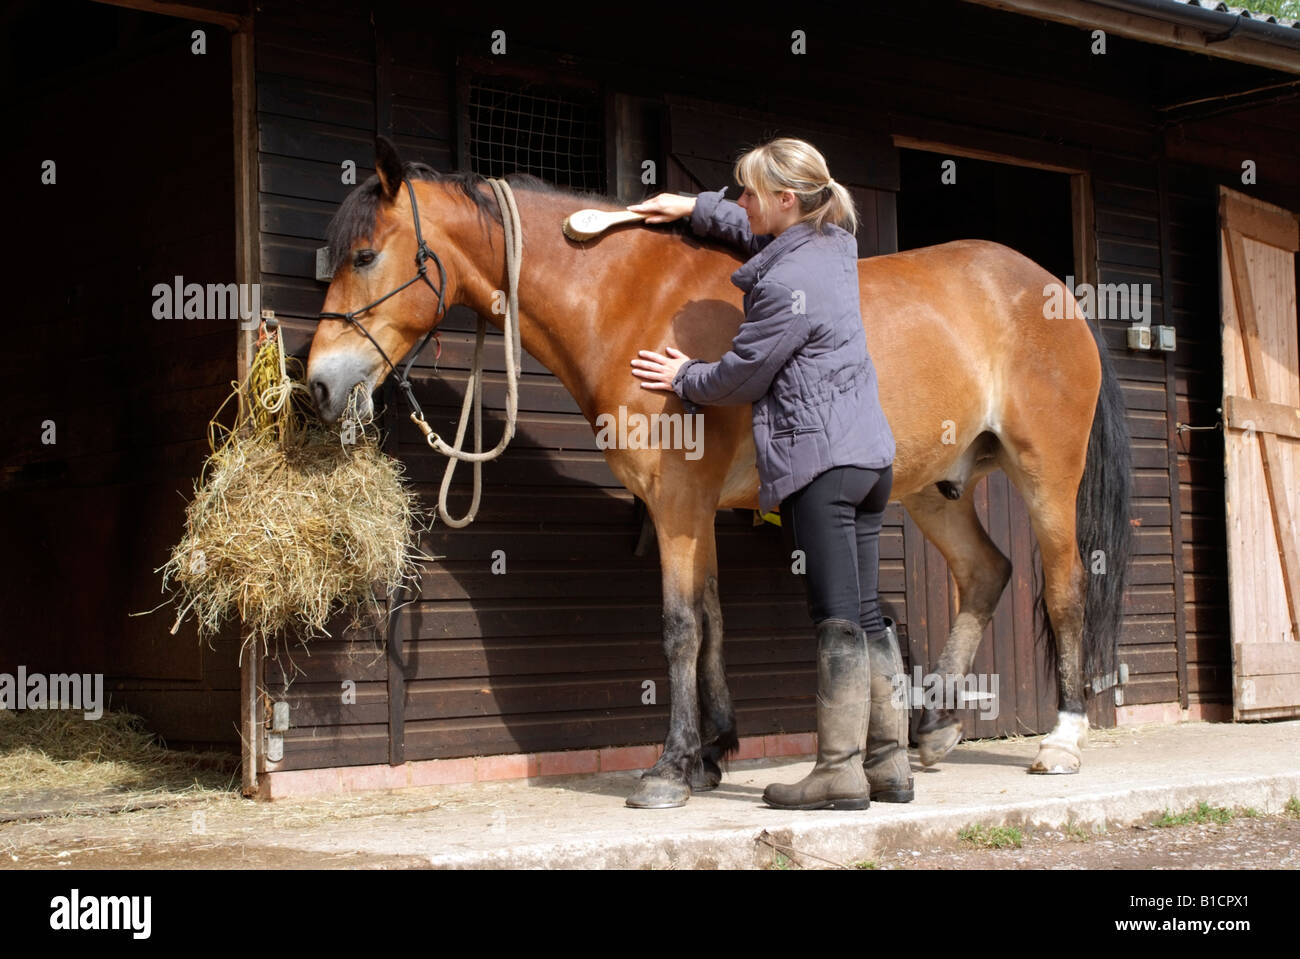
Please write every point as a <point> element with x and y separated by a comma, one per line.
<point>796,165</point>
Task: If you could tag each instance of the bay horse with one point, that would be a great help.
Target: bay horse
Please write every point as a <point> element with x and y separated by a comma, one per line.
<point>974,375</point>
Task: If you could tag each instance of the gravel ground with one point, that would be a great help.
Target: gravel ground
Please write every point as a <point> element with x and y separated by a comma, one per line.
<point>1243,843</point>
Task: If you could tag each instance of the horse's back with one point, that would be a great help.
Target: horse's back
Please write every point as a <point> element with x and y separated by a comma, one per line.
<point>965,293</point>
<point>957,261</point>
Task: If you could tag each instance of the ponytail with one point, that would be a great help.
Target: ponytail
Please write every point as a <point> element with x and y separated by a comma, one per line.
<point>835,205</point>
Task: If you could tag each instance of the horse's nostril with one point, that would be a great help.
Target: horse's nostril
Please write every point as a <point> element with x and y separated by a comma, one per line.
<point>321,392</point>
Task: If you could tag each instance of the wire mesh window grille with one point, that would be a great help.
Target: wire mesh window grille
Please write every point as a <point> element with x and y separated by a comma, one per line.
<point>554,133</point>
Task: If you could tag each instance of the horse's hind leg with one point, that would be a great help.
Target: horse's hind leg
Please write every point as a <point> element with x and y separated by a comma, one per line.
<point>687,553</point>
<point>981,571</point>
<point>1064,589</point>
<point>717,715</point>
<point>1047,469</point>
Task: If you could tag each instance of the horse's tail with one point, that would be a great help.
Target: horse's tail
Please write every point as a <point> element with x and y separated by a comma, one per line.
<point>1102,527</point>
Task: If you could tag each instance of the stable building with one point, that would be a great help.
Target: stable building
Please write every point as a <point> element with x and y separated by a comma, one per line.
<point>1145,148</point>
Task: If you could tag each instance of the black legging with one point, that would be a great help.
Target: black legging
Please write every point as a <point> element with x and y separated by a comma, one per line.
<point>836,521</point>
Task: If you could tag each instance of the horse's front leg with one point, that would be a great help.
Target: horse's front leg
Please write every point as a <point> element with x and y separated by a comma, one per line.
<point>683,555</point>
<point>717,714</point>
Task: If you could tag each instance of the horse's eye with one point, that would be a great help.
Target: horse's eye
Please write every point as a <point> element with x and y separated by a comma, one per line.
<point>363,258</point>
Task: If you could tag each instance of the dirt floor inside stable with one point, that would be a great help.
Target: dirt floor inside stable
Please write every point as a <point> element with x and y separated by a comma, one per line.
<point>1197,796</point>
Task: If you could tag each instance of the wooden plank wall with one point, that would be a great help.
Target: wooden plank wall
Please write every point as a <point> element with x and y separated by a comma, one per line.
<point>144,192</point>
<point>553,654</point>
<point>1194,311</point>
<point>1128,251</point>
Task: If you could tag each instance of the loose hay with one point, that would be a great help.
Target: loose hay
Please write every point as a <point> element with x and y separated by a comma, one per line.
<point>58,749</point>
<point>289,523</point>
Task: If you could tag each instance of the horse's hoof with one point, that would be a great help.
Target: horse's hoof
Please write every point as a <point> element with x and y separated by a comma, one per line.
<point>705,776</point>
<point>934,744</point>
<point>655,792</point>
<point>1054,760</point>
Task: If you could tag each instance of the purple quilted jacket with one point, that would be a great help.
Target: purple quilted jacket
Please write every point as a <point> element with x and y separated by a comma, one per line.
<point>800,357</point>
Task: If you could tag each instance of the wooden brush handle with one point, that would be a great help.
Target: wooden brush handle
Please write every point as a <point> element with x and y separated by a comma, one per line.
<point>594,221</point>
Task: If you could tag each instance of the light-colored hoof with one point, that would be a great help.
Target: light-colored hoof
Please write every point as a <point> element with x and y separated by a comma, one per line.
<point>933,746</point>
<point>1059,755</point>
<point>1056,760</point>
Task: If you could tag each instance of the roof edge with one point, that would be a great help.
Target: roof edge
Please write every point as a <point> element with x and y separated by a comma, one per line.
<point>1171,23</point>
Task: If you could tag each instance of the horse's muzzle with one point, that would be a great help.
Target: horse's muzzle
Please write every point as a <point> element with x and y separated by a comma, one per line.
<point>332,380</point>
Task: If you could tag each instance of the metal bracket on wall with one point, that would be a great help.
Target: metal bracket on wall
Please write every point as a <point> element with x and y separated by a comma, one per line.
<point>275,735</point>
<point>323,273</point>
<point>1116,679</point>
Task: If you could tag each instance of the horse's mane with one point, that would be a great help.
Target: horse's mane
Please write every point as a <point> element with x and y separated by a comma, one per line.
<point>356,216</point>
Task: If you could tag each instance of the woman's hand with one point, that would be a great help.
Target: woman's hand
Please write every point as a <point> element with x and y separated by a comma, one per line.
<point>656,370</point>
<point>665,207</point>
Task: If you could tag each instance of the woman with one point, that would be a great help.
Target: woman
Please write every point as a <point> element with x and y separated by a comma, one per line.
<point>824,448</point>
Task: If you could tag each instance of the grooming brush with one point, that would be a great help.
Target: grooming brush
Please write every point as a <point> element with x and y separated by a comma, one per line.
<point>586,224</point>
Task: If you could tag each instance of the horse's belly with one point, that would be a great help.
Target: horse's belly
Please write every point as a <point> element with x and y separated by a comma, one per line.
<point>740,487</point>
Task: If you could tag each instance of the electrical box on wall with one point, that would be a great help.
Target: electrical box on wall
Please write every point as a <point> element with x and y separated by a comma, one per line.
<point>1141,337</point>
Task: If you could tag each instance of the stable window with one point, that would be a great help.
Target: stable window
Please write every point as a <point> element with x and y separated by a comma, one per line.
<point>556,133</point>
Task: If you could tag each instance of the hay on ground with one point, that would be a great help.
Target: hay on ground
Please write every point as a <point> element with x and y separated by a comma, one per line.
<point>58,749</point>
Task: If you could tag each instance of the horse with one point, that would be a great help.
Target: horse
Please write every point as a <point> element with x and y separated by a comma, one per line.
<point>974,372</point>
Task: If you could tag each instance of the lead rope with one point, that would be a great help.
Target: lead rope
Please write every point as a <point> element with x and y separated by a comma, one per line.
<point>514,248</point>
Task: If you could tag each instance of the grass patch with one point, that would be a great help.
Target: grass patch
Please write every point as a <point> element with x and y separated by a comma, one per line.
<point>1198,815</point>
<point>1292,808</point>
<point>992,837</point>
<point>1075,832</point>
<point>865,864</point>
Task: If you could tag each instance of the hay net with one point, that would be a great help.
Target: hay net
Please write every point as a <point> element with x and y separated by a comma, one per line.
<point>292,522</point>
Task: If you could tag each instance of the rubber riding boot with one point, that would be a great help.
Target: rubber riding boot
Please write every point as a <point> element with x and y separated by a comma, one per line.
<point>886,763</point>
<point>838,781</point>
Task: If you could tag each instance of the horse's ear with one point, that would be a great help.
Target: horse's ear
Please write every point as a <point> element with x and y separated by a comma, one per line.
<point>388,165</point>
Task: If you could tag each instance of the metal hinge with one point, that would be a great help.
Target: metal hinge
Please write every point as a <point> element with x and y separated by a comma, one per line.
<point>275,735</point>
<point>1117,679</point>
<point>323,273</point>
